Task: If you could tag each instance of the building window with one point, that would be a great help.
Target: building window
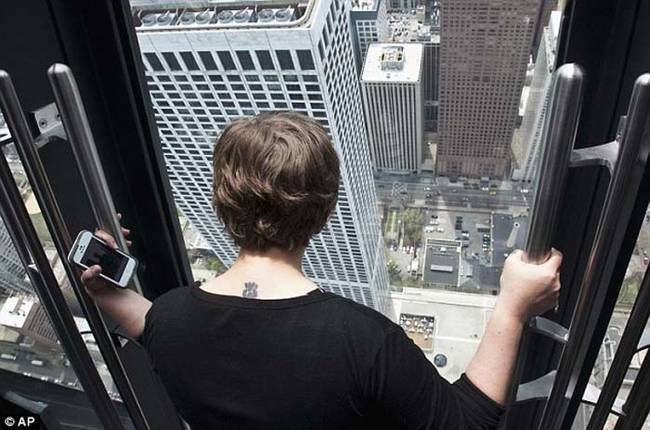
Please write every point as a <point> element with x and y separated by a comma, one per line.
<point>171,60</point>
<point>189,60</point>
<point>154,62</point>
<point>226,60</point>
<point>264,58</point>
<point>208,61</point>
<point>284,58</point>
<point>305,59</point>
<point>245,60</point>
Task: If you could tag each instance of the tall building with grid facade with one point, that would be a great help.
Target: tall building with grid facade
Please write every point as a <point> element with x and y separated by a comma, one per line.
<point>391,83</point>
<point>12,273</point>
<point>243,60</point>
<point>409,27</point>
<point>369,22</point>
<point>484,50</point>
<point>529,144</point>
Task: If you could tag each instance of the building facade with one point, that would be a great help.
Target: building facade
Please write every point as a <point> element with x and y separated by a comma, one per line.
<point>528,146</point>
<point>391,84</point>
<point>369,22</point>
<point>484,50</point>
<point>12,273</point>
<point>243,60</point>
<point>408,27</point>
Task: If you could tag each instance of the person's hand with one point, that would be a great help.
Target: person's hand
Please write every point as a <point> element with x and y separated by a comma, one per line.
<point>90,277</point>
<point>528,289</point>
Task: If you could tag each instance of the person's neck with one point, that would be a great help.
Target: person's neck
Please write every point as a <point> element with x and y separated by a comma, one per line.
<point>270,274</point>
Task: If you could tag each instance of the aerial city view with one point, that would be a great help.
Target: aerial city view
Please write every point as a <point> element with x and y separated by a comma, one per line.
<point>436,109</point>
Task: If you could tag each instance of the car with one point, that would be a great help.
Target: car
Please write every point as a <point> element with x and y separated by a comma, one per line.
<point>427,188</point>
<point>493,193</point>
<point>39,363</point>
<point>403,192</point>
<point>434,216</point>
<point>381,186</point>
<point>440,230</point>
<point>645,260</point>
<point>524,191</point>
<point>459,217</point>
<point>434,222</point>
<point>429,229</point>
<point>428,196</point>
<point>454,191</point>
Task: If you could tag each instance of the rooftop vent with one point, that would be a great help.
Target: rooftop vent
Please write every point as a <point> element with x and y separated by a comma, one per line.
<point>242,16</point>
<point>266,15</point>
<point>225,16</point>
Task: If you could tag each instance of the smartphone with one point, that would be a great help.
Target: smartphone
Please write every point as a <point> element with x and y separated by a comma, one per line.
<point>88,250</point>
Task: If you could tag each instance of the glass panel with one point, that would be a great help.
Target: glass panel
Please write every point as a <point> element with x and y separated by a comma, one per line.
<point>629,291</point>
<point>28,343</point>
<point>440,140</point>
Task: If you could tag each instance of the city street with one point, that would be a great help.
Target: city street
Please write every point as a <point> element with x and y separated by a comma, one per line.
<point>452,194</point>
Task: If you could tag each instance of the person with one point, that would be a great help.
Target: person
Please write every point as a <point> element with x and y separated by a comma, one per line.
<point>263,347</point>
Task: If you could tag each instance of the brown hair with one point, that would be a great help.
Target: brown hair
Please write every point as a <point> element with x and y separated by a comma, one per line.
<point>276,179</point>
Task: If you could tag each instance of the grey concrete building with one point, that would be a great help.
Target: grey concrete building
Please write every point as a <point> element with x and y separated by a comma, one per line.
<point>484,50</point>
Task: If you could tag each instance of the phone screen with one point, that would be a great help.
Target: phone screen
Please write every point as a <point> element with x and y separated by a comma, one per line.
<point>112,263</point>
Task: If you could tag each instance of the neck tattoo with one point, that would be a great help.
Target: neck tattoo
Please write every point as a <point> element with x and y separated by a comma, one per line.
<point>250,290</point>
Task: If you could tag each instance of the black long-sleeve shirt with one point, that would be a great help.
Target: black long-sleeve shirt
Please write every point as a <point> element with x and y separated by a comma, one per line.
<point>317,361</point>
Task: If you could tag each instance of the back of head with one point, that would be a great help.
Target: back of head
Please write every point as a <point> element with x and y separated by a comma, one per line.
<point>276,179</point>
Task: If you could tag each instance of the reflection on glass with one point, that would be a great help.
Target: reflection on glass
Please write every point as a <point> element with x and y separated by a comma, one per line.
<point>626,298</point>
<point>28,343</point>
<point>453,169</point>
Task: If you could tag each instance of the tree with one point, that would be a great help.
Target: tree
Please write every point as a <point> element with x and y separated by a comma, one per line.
<point>215,265</point>
<point>393,270</point>
<point>412,220</point>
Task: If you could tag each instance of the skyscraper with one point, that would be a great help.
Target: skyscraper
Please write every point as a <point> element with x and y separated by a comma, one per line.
<point>369,22</point>
<point>391,82</point>
<point>527,145</point>
<point>484,50</point>
<point>208,67</point>
<point>12,273</point>
<point>409,27</point>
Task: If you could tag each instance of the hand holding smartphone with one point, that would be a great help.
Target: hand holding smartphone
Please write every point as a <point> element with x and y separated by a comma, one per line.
<point>90,250</point>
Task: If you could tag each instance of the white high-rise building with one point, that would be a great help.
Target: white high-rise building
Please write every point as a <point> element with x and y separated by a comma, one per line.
<point>208,67</point>
<point>369,21</point>
<point>392,98</point>
<point>527,148</point>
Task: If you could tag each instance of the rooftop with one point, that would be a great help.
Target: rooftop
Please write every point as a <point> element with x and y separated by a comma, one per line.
<point>392,62</point>
<point>411,26</point>
<point>154,16</point>
<point>364,4</point>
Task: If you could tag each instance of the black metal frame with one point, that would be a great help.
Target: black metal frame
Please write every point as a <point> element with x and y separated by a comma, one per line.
<point>97,40</point>
<point>606,38</point>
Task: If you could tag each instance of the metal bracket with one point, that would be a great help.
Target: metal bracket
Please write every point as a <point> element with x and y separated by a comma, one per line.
<point>49,124</point>
<point>604,155</point>
<point>549,328</point>
<point>600,155</point>
<point>540,388</point>
<point>536,389</point>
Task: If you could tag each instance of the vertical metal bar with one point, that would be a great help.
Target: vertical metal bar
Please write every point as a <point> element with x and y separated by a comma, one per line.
<point>637,406</point>
<point>619,202</point>
<point>627,347</point>
<point>561,126</point>
<point>80,136</point>
<point>61,237</point>
<point>28,247</point>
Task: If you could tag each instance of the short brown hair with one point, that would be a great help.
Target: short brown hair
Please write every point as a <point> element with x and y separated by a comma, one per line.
<point>276,180</point>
